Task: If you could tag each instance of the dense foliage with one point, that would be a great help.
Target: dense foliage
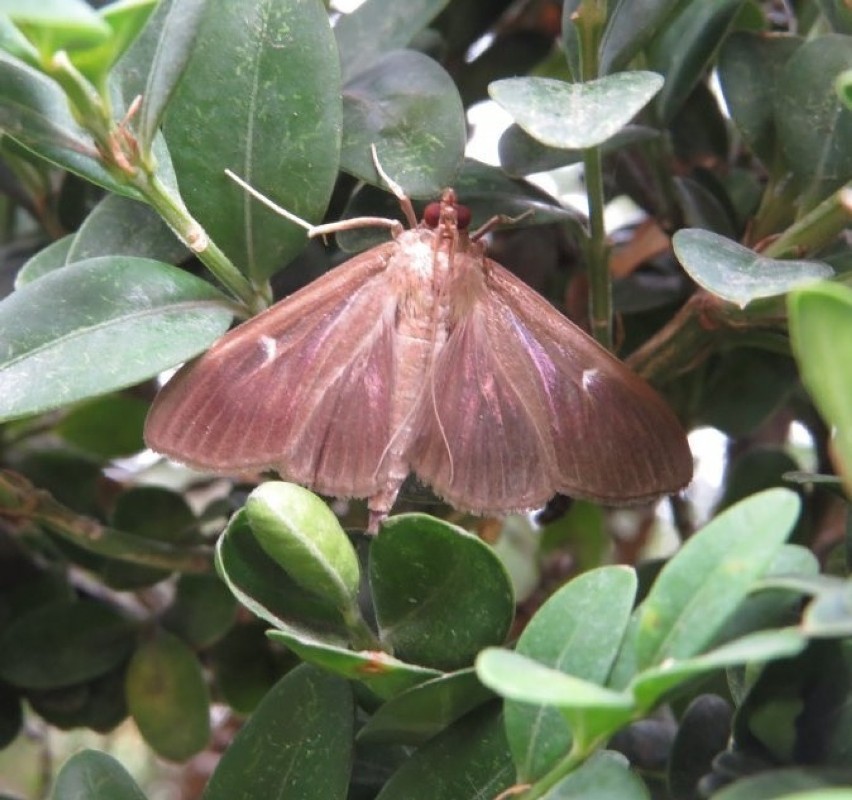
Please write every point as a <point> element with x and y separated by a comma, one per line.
<point>448,657</point>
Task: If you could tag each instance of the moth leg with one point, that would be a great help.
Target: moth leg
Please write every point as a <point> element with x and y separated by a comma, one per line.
<point>394,225</point>
<point>398,191</point>
<point>496,221</point>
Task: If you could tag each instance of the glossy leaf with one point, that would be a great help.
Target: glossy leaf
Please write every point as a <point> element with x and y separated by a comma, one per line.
<point>820,334</point>
<point>578,631</point>
<point>683,49</point>
<point>120,226</point>
<point>269,756</point>
<point>409,108</point>
<point>738,274</point>
<point>629,27</point>
<point>575,115</point>
<point>106,427</point>
<point>64,643</point>
<point>125,318</point>
<point>376,27</point>
<point>34,112</point>
<point>604,776</point>
<point>426,576</point>
<point>750,66</point>
<point>54,25</point>
<point>417,714</point>
<point>49,258</point>
<point>168,698</point>
<point>202,612</point>
<point>814,128</point>
<point>303,536</point>
<point>93,775</point>
<point>383,674</point>
<point>178,30</point>
<point>712,573</point>
<point>261,96</point>
<point>830,613</point>
<point>468,761</point>
<point>267,591</point>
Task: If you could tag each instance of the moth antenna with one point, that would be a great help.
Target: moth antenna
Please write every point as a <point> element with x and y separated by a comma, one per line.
<point>393,225</point>
<point>398,191</point>
<point>495,221</point>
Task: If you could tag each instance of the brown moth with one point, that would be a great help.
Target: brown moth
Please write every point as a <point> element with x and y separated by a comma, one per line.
<point>423,355</point>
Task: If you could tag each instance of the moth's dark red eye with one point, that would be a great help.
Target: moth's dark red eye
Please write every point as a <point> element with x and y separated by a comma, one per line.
<point>463,217</point>
<point>432,215</point>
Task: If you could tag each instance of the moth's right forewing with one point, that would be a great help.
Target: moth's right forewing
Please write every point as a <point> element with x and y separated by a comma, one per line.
<point>303,388</point>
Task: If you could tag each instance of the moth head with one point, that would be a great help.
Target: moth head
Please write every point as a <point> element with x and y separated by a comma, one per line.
<point>447,213</point>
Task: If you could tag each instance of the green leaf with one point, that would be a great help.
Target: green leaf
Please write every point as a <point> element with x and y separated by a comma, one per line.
<point>821,335</point>
<point>427,576</point>
<point>750,66</point>
<point>468,761</point>
<point>119,226</point>
<point>684,47</point>
<point>92,775</point>
<point>652,685</point>
<point>408,106</point>
<point>49,258</point>
<point>271,755</point>
<point>629,27</point>
<point>106,427</point>
<point>843,86</point>
<point>178,28</point>
<point>814,128</point>
<point>267,591</point>
<point>202,612</point>
<point>738,274</point>
<point>578,631</point>
<point>711,574</point>
<point>383,674</point>
<point>785,783</point>
<point>830,613</point>
<point>63,643</point>
<point>53,25</point>
<point>417,714</point>
<point>376,27</point>
<point>303,536</point>
<point>605,776</point>
<point>261,96</point>
<point>575,115</point>
<point>34,112</point>
<point>168,698</point>
<point>113,322</point>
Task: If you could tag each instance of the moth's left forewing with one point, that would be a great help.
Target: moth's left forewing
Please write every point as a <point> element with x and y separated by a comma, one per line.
<point>616,439</point>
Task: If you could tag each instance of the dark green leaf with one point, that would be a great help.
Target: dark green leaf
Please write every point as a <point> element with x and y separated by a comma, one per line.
<point>203,610</point>
<point>297,744</point>
<point>63,643</point>
<point>701,208</point>
<point>789,783</point>
<point>578,631</point>
<point>820,334</point>
<point>830,613</point>
<point>738,274</point>
<point>92,775</point>
<point>261,96</point>
<point>46,260</point>
<point>417,714</point>
<point>814,128</point>
<point>34,112</point>
<point>11,715</point>
<point>575,115</point>
<point>168,698</point>
<point>838,13</point>
<point>469,761</point>
<point>106,427</point>
<point>376,27</point>
<point>409,108</point>
<point>112,322</point>
<point>630,26</point>
<point>441,595</point>
<point>178,30</point>
<point>750,65</point>
<point>684,47</point>
<point>120,226</point>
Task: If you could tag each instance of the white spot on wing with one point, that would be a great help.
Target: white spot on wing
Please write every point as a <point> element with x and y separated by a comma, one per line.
<point>269,348</point>
<point>590,377</point>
